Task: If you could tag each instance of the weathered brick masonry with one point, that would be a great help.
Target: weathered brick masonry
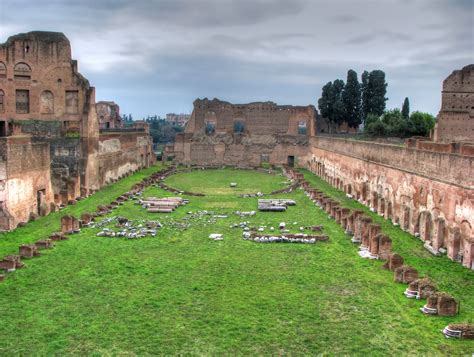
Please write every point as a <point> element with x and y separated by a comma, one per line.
<point>426,187</point>
<point>429,194</point>
<point>52,131</point>
<point>244,134</point>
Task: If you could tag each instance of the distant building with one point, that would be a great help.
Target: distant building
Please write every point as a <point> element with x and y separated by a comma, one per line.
<point>456,117</point>
<point>57,144</point>
<point>177,119</point>
<point>109,115</point>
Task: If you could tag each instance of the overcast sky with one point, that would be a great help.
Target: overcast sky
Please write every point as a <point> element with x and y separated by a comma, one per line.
<point>155,57</point>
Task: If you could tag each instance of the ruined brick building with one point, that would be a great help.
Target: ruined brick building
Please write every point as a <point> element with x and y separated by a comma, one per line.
<point>456,117</point>
<point>221,132</point>
<point>56,143</point>
<point>425,187</point>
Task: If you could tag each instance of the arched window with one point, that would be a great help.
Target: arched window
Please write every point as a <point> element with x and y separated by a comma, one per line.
<point>47,102</point>
<point>302,130</point>
<point>22,71</point>
<point>239,126</point>
<point>2,101</point>
<point>210,121</point>
<point>3,70</point>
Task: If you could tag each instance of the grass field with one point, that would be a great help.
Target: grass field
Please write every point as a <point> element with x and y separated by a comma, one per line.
<point>182,293</point>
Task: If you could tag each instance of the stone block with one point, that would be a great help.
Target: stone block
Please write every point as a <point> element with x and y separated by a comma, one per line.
<point>28,251</point>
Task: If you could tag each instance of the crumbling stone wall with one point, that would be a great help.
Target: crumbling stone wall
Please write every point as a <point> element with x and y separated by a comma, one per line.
<point>428,194</point>
<point>121,153</point>
<point>46,104</point>
<point>456,117</point>
<point>244,134</point>
<point>109,115</point>
<point>25,186</point>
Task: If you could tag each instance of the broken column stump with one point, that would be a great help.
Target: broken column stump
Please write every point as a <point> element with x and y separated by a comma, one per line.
<point>44,244</point>
<point>405,274</point>
<point>86,219</point>
<point>69,224</point>
<point>460,330</point>
<point>11,263</point>
<point>28,251</point>
<point>384,246</point>
<point>57,236</point>
<point>420,288</point>
<point>440,303</point>
<point>394,261</point>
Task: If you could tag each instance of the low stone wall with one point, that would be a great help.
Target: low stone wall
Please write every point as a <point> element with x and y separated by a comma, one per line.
<point>428,194</point>
<point>449,168</point>
<point>121,153</point>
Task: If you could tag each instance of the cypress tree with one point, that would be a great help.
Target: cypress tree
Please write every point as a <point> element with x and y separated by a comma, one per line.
<point>339,110</point>
<point>365,92</point>
<point>406,109</point>
<point>351,97</point>
<point>377,90</point>
<point>325,102</point>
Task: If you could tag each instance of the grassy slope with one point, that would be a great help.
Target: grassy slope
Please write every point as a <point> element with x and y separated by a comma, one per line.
<point>183,293</point>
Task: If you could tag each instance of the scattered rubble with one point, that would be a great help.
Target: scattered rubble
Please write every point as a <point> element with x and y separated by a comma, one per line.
<point>459,330</point>
<point>440,303</point>
<point>287,238</point>
<point>162,205</point>
<point>216,236</point>
<point>275,205</point>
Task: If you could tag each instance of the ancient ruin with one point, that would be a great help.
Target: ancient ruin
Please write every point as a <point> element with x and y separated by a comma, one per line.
<point>244,134</point>
<point>56,143</point>
<point>456,117</point>
<point>425,186</point>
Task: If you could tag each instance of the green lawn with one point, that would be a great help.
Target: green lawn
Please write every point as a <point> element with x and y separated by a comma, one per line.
<point>182,293</point>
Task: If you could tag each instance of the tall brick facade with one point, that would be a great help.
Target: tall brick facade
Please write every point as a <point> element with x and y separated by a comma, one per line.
<point>48,115</point>
<point>456,117</point>
<point>221,132</point>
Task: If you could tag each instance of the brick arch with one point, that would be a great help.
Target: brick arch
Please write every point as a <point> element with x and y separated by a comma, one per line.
<point>47,102</point>
<point>405,213</point>
<point>22,70</point>
<point>3,70</point>
<point>454,244</point>
<point>439,233</point>
<point>425,224</point>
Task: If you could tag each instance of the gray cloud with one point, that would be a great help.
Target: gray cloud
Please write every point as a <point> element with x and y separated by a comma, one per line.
<point>156,56</point>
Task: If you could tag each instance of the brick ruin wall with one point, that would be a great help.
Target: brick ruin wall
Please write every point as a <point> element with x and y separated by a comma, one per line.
<point>429,194</point>
<point>456,117</point>
<point>25,186</point>
<point>46,103</point>
<point>123,153</point>
<point>267,133</point>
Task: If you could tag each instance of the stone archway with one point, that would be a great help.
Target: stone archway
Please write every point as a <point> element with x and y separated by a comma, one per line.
<point>425,226</point>
<point>454,244</point>
<point>389,210</point>
<point>405,218</point>
<point>437,238</point>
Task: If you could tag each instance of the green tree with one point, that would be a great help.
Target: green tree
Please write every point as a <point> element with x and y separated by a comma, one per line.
<point>376,128</point>
<point>325,103</point>
<point>377,89</point>
<point>406,108</point>
<point>365,94</point>
<point>351,97</point>
<point>339,110</point>
<point>421,123</point>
